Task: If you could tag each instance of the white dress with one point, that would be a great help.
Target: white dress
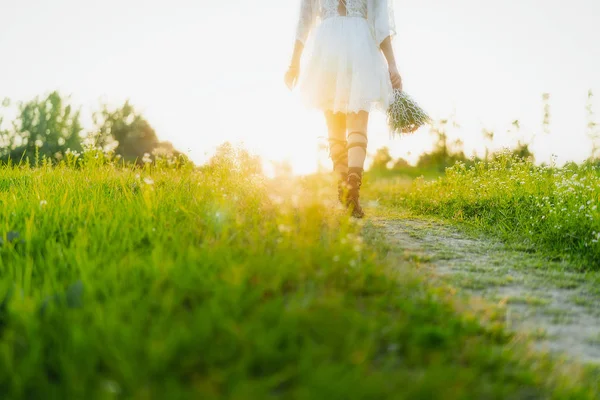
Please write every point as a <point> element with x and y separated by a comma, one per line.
<point>346,71</point>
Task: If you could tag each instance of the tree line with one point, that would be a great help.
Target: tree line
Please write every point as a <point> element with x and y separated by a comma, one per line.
<point>49,127</point>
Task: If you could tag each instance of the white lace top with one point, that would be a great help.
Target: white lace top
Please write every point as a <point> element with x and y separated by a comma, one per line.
<point>379,13</point>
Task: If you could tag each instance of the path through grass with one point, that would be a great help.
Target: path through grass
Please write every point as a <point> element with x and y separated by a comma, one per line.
<point>553,305</point>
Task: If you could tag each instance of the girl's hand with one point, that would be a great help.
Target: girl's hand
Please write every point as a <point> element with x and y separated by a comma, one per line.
<point>291,76</point>
<point>395,77</point>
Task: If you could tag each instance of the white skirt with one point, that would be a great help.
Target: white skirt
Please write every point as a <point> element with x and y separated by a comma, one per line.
<point>346,72</point>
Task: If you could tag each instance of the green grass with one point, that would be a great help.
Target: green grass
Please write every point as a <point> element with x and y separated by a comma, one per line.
<point>181,283</point>
<point>406,173</point>
<point>534,207</point>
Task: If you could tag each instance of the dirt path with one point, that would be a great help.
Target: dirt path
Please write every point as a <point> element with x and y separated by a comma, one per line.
<point>559,308</point>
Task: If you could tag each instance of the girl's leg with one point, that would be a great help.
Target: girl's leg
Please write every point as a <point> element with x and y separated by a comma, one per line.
<point>357,124</point>
<point>338,148</point>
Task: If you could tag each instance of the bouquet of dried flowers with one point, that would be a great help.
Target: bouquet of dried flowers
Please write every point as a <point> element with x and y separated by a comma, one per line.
<point>404,115</point>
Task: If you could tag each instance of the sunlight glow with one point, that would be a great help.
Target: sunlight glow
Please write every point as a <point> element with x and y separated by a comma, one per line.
<point>205,74</point>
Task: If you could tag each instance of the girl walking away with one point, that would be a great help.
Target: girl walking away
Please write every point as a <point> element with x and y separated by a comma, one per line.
<point>347,77</point>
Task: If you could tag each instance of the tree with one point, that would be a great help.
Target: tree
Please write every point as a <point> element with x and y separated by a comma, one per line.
<point>125,131</point>
<point>488,136</point>
<point>401,164</point>
<point>381,159</point>
<point>522,151</point>
<point>43,128</point>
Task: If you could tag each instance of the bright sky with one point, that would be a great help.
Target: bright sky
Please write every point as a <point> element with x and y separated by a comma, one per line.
<point>208,71</point>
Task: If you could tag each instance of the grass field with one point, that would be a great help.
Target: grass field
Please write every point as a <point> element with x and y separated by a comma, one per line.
<point>163,282</point>
<point>549,209</point>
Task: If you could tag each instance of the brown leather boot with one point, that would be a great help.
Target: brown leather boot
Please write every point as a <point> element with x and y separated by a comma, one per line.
<point>353,198</point>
